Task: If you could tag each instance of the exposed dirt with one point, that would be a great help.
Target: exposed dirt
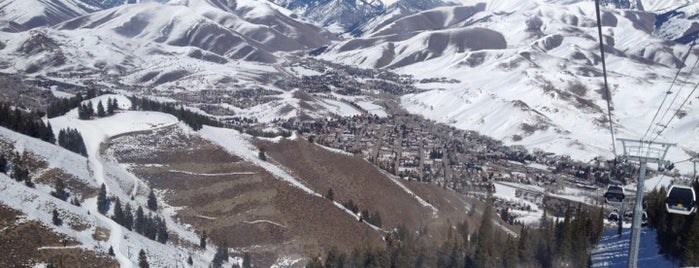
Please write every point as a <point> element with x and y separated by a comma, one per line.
<point>351,177</point>
<point>237,202</point>
<point>26,243</point>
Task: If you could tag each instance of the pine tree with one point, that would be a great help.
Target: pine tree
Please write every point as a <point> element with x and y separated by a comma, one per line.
<point>262,154</point>
<point>565,238</point>
<point>202,240</point>
<point>102,205</point>
<point>110,106</point>
<point>335,259</point>
<point>142,259</point>
<point>315,262</point>
<point>128,217</point>
<point>189,260</point>
<point>60,191</point>
<point>247,261</point>
<point>89,109</point>
<point>152,202</point>
<point>330,195</point>
<point>111,251</point>
<point>161,229</point>
<point>100,109</point>
<point>56,218</point>
<point>140,222</point>
<point>484,255</point>
<point>3,164</point>
<point>118,216</point>
<point>221,255</point>
<point>690,256</point>
<point>28,182</point>
<point>19,173</point>
<point>91,93</point>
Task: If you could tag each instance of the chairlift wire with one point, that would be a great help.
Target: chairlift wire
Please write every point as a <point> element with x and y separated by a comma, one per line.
<point>664,127</point>
<point>604,72</point>
<point>684,59</point>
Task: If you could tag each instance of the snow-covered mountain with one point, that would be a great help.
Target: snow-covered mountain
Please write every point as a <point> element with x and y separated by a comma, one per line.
<point>529,72</point>
<point>22,15</point>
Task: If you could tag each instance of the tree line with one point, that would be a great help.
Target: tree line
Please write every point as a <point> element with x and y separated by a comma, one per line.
<point>553,244</point>
<point>150,226</point>
<point>192,119</point>
<point>373,218</point>
<point>86,111</point>
<point>72,140</point>
<point>678,235</point>
<point>61,106</point>
<point>27,123</point>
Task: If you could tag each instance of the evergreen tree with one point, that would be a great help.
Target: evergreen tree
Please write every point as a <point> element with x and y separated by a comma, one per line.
<point>690,256</point>
<point>110,106</point>
<point>565,236</point>
<point>3,164</point>
<point>100,109</point>
<point>189,260</point>
<point>152,202</point>
<point>221,255</point>
<point>56,218</point>
<point>485,255</point>
<point>315,262</point>
<point>89,109</point>
<point>335,259</point>
<point>118,216</point>
<point>330,195</point>
<point>111,251</point>
<point>28,182</point>
<point>262,155</point>
<point>72,140</point>
<point>102,204</point>
<point>247,260</point>
<point>351,206</point>
<point>510,256</point>
<point>202,240</point>
<point>19,173</point>
<point>143,259</point>
<point>161,229</point>
<point>91,93</point>
<point>60,191</point>
<point>140,222</point>
<point>128,216</point>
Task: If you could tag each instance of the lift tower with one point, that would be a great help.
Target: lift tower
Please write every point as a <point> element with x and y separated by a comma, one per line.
<point>643,152</point>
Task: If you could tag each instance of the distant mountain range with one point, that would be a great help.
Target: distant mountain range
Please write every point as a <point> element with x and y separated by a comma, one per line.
<point>527,72</point>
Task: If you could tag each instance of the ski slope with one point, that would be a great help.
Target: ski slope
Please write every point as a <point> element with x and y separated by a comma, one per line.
<point>612,251</point>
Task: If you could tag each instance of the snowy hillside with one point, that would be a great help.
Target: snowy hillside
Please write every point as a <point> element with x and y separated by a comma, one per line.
<point>93,172</point>
<point>613,251</point>
<point>529,72</point>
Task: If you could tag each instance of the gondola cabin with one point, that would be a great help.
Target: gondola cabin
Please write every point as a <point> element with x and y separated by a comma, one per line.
<point>614,195</point>
<point>681,199</point>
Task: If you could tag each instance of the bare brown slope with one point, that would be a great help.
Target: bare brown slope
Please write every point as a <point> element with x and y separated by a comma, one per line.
<point>351,177</point>
<point>237,202</point>
<point>21,242</point>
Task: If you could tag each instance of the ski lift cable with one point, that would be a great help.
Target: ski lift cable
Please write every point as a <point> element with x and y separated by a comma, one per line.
<point>664,127</point>
<point>604,72</point>
<point>662,175</point>
<point>674,99</point>
<point>684,59</point>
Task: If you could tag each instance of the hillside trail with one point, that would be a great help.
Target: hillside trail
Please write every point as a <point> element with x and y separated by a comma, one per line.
<point>115,231</point>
